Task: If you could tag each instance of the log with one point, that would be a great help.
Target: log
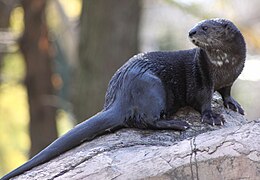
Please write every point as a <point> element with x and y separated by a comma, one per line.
<point>231,151</point>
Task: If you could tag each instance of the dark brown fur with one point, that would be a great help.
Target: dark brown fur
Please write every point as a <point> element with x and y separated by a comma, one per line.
<point>151,87</point>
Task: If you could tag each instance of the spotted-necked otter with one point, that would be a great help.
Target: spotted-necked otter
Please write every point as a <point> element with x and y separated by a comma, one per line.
<point>148,89</point>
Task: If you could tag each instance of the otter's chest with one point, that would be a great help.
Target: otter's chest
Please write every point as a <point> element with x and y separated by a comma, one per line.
<point>225,75</point>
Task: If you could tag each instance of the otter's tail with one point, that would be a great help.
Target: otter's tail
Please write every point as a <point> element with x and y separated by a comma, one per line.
<point>85,131</point>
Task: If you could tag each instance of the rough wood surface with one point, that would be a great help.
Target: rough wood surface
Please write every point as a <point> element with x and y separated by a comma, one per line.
<point>202,152</point>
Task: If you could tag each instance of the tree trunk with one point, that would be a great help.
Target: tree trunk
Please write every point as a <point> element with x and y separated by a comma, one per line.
<point>6,8</point>
<point>108,37</point>
<point>228,153</point>
<point>38,55</point>
<point>201,152</point>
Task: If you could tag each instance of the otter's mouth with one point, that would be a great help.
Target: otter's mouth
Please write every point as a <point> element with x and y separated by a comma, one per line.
<point>198,43</point>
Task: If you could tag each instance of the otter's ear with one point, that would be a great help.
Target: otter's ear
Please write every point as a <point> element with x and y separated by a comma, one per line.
<point>228,30</point>
<point>225,25</point>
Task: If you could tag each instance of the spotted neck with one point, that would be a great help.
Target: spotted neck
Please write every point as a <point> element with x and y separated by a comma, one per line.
<point>225,65</point>
<point>219,57</point>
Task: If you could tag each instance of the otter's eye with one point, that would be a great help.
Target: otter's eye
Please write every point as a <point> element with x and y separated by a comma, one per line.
<point>204,28</point>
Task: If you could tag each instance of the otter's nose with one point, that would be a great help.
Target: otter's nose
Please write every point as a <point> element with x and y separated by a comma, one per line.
<point>192,32</point>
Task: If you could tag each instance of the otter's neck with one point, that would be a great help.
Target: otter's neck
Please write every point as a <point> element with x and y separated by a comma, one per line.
<point>224,65</point>
<point>218,58</point>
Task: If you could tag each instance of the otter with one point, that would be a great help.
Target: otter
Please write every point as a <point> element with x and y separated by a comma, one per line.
<point>150,87</point>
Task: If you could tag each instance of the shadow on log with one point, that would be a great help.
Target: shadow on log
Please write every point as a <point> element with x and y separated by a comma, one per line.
<point>202,152</point>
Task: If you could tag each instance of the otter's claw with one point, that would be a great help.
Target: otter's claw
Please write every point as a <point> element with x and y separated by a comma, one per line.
<point>232,104</point>
<point>212,119</point>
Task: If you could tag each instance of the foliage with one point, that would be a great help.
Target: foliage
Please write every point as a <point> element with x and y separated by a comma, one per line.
<point>14,114</point>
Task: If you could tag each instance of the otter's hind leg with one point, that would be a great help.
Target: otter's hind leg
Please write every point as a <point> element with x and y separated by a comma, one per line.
<point>170,124</point>
<point>149,101</point>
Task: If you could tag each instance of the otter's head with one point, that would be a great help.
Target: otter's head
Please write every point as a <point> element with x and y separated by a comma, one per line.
<point>215,34</point>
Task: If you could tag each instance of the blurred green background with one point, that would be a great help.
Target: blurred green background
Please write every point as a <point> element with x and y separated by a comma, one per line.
<point>56,59</point>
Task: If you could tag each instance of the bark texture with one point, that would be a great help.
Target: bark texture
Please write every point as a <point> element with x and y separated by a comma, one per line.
<point>202,152</point>
<point>108,37</point>
<point>38,55</point>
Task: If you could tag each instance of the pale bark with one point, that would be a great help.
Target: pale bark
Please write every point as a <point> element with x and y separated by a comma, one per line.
<point>202,152</point>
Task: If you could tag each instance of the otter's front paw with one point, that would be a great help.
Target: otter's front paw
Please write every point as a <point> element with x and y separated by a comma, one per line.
<point>232,104</point>
<point>212,118</point>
